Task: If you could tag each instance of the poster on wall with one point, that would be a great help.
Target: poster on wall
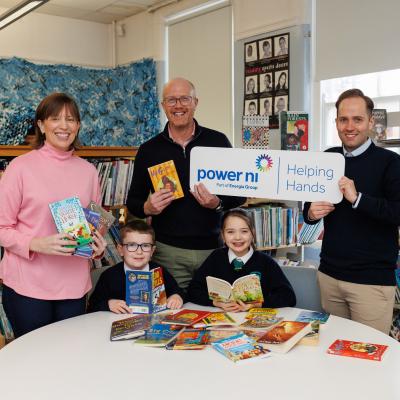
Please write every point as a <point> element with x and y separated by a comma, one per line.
<point>266,77</point>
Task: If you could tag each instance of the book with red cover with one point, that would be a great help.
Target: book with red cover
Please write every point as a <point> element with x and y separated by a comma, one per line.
<point>348,348</point>
<point>186,317</point>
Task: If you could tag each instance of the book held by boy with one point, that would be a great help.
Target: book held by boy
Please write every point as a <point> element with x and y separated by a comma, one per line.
<point>186,317</point>
<point>246,288</point>
<point>239,348</point>
<point>282,337</point>
<point>364,350</point>
<point>165,176</point>
<point>145,291</point>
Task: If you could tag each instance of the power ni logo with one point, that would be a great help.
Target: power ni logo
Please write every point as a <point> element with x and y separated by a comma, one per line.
<point>264,162</point>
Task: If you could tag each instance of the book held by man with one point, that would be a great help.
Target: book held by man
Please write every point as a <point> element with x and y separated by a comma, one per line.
<point>246,288</point>
<point>240,347</point>
<point>364,350</point>
<point>282,337</point>
<point>165,176</point>
<point>145,291</point>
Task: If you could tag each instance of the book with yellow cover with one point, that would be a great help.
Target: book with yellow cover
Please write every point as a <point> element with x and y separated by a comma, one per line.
<point>165,176</point>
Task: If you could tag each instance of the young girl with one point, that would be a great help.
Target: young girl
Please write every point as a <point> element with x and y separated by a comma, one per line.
<point>225,263</point>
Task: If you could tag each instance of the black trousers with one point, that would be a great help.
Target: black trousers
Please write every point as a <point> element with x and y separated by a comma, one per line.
<point>27,314</point>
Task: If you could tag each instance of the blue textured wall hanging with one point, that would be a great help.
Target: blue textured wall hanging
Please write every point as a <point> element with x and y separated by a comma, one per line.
<point>119,106</point>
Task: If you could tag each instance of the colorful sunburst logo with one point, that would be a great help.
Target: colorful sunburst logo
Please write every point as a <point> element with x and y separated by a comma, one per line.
<point>264,163</point>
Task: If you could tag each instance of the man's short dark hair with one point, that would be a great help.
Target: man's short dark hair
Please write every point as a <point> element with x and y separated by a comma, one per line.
<point>355,93</point>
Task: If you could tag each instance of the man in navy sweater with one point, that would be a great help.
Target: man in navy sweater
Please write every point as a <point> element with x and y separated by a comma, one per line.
<point>361,239</point>
<point>187,229</point>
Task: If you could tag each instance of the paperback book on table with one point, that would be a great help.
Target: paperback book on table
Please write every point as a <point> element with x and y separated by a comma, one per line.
<point>240,348</point>
<point>159,335</point>
<point>348,348</point>
<point>246,288</point>
<point>216,319</point>
<point>186,317</point>
<point>190,339</point>
<point>282,337</point>
<point>130,328</point>
<point>145,291</point>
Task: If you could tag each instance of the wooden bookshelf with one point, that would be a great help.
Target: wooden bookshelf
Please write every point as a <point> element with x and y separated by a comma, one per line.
<point>89,151</point>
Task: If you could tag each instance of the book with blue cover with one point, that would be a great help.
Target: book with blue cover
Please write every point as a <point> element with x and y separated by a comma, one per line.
<point>309,316</point>
<point>159,335</point>
<point>69,218</point>
<point>145,291</point>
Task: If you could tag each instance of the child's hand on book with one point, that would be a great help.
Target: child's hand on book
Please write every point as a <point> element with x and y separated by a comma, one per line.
<point>118,306</point>
<point>54,245</point>
<point>230,306</point>
<point>158,201</point>
<point>174,302</point>
<point>98,245</point>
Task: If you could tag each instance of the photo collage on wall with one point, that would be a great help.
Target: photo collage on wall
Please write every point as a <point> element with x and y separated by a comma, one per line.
<point>266,80</point>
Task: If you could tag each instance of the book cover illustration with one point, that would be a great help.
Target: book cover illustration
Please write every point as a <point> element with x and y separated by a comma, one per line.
<point>218,334</point>
<point>145,291</point>
<point>380,124</point>
<point>239,348</point>
<point>255,312</point>
<point>159,335</point>
<point>186,317</point>
<point>294,130</point>
<point>165,176</point>
<point>69,217</point>
<point>191,339</point>
<point>216,319</point>
<point>255,132</point>
<point>106,218</point>
<point>261,322</point>
<point>364,350</point>
<point>312,338</point>
<point>282,337</point>
<point>309,316</point>
<point>130,328</point>
<point>246,288</point>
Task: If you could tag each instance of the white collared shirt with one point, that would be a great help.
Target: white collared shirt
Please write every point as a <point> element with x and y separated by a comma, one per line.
<point>245,258</point>
<point>129,269</point>
<point>358,151</point>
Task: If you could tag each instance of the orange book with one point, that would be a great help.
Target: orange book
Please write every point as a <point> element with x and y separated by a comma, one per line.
<point>165,176</point>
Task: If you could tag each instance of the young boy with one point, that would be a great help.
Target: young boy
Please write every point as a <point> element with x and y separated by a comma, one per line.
<point>136,250</point>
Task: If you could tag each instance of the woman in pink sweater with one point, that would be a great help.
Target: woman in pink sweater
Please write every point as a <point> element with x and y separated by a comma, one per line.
<point>42,281</point>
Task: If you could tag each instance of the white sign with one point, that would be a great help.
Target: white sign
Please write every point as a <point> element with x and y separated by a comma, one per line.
<point>271,174</point>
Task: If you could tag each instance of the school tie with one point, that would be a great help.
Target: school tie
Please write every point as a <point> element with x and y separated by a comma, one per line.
<point>237,264</point>
<point>349,155</point>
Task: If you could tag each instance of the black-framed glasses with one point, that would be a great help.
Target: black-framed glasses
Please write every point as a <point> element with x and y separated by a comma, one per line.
<point>145,247</point>
<point>184,100</point>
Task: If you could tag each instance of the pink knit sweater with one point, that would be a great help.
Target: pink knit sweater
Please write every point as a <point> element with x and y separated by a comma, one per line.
<point>29,184</point>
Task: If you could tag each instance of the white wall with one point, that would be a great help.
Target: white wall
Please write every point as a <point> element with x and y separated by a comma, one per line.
<point>50,39</point>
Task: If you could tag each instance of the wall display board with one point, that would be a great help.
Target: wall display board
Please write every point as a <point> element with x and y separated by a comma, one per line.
<point>266,80</point>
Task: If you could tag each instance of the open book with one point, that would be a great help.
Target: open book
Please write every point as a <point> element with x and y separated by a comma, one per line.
<point>246,288</point>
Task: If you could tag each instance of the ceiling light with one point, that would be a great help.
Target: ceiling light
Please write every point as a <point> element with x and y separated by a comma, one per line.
<point>19,11</point>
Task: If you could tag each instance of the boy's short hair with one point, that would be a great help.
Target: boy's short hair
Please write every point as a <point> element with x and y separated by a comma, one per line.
<point>137,226</point>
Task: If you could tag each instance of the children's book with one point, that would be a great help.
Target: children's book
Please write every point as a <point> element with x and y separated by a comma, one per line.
<point>165,176</point>
<point>186,317</point>
<point>282,337</point>
<point>218,334</point>
<point>261,322</point>
<point>246,288</point>
<point>294,130</point>
<point>69,217</point>
<point>190,339</point>
<point>145,291</point>
<point>380,123</point>
<point>312,338</point>
<point>309,316</point>
<point>255,312</point>
<point>216,319</point>
<point>130,328</point>
<point>255,132</point>
<point>365,350</point>
<point>106,219</point>
<point>239,348</point>
<point>159,335</point>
